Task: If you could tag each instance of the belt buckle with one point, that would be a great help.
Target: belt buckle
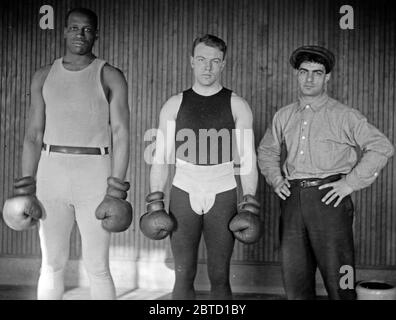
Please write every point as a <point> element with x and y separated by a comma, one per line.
<point>303,183</point>
<point>47,149</point>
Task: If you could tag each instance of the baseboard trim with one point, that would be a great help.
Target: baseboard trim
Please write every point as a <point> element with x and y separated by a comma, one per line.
<point>25,271</point>
<point>245,278</point>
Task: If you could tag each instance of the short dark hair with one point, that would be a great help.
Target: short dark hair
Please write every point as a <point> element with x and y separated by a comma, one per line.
<point>310,57</point>
<point>87,12</point>
<point>210,41</point>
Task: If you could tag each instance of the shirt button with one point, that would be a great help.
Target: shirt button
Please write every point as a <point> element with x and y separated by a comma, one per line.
<point>303,137</point>
<point>307,106</point>
<point>375,174</point>
<point>301,152</point>
<point>305,123</point>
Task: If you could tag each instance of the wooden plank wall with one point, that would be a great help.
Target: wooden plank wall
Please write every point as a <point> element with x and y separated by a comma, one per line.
<point>149,40</point>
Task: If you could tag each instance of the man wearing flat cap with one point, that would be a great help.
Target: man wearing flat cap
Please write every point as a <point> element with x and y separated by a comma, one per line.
<point>320,171</point>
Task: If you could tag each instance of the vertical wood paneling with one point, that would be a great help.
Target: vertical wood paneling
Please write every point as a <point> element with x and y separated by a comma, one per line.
<point>150,41</point>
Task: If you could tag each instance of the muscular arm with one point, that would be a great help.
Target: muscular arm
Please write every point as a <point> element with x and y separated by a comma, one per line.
<point>165,144</point>
<point>245,144</point>
<point>119,120</point>
<point>33,140</point>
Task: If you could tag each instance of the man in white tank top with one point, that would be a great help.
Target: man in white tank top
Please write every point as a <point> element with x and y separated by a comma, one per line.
<point>77,147</point>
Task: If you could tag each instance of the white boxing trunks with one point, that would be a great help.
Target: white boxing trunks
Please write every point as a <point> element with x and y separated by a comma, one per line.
<point>202,183</point>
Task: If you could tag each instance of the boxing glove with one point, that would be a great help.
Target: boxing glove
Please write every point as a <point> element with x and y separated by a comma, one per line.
<point>246,224</point>
<point>115,212</point>
<point>156,223</point>
<point>23,210</point>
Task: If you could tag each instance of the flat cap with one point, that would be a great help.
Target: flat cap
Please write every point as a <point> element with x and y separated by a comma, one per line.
<point>326,55</point>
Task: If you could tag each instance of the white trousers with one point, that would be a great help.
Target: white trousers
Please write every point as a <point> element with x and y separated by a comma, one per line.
<point>70,187</point>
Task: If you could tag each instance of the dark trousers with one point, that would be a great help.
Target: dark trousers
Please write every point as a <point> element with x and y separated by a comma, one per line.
<point>313,235</point>
<point>219,242</point>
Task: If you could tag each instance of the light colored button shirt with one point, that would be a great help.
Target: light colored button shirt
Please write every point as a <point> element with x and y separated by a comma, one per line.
<point>321,140</point>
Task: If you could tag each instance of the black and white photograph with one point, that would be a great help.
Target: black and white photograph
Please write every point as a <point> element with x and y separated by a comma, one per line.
<point>197,155</point>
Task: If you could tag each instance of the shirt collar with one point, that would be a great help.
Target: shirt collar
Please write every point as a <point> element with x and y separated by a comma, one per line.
<point>315,104</point>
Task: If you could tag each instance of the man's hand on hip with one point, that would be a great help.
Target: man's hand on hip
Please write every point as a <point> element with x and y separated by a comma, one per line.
<point>339,189</point>
<point>282,189</point>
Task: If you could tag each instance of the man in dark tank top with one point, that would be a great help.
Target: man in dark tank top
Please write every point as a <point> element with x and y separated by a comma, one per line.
<point>197,130</point>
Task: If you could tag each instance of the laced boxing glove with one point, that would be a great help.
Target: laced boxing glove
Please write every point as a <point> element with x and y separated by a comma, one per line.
<point>246,224</point>
<point>23,210</point>
<point>115,212</point>
<point>156,223</point>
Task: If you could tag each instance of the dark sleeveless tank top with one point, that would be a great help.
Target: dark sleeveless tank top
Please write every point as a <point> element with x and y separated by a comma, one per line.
<point>204,128</point>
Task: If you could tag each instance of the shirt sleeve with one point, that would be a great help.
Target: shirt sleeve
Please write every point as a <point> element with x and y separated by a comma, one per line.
<point>268,153</point>
<point>375,146</point>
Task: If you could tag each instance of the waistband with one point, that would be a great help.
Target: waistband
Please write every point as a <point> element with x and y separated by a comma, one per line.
<point>200,173</point>
<point>75,150</point>
<point>202,183</point>
<point>314,182</point>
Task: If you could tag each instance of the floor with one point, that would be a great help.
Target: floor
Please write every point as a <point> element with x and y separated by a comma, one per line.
<point>8,292</point>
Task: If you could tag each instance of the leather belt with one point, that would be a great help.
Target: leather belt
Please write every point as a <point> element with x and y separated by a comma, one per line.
<point>306,183</point>
<point>75,150</point>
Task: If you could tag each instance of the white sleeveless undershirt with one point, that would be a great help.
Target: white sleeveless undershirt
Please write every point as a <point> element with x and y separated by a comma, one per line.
<point>76,108</point>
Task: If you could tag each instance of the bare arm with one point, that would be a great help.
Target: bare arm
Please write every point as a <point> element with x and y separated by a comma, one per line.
<point>33,140</point>
<point>119,120</point>
<point>245,144</point>
<point>165,144</point>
